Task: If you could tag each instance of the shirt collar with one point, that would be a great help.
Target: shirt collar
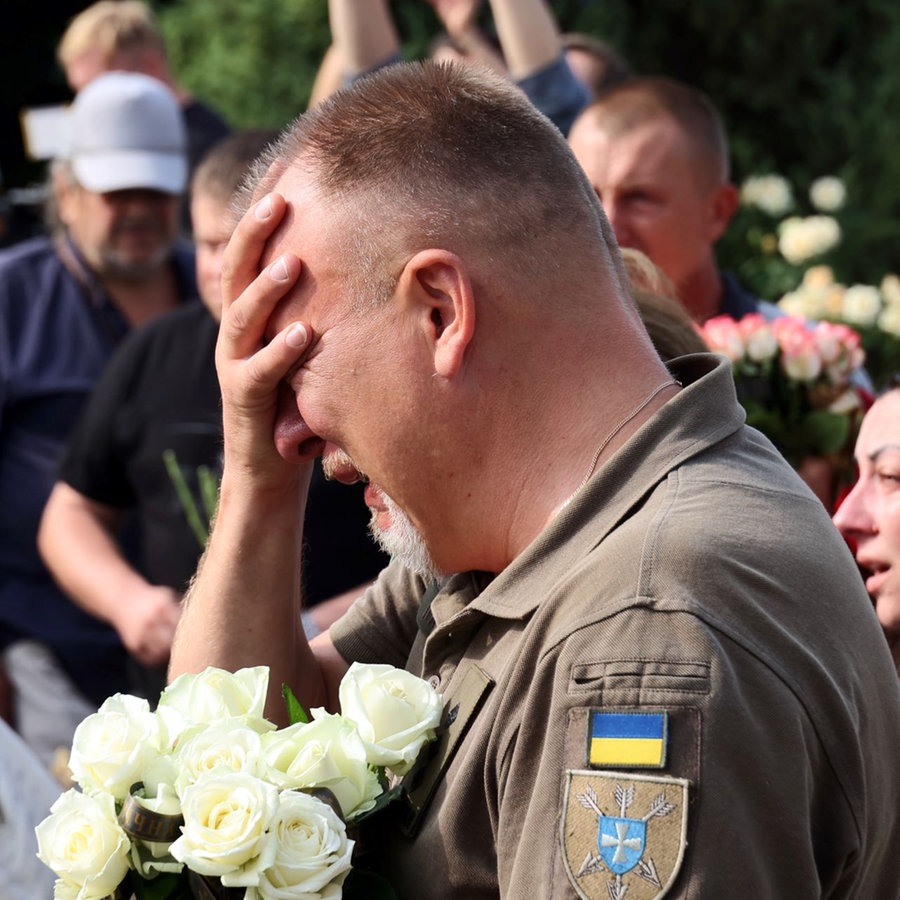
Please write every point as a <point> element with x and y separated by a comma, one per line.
<point>702,414</point>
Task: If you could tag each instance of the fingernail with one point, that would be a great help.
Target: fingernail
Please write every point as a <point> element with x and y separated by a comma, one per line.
<point>296,336</point>
<point>279,270</point>
<point>264,208</point>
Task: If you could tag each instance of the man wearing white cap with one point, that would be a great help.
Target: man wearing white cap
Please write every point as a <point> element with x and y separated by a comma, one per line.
<point>65,302</point>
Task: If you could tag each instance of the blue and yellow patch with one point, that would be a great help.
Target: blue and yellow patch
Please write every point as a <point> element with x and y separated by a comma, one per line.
<point>627,739</point>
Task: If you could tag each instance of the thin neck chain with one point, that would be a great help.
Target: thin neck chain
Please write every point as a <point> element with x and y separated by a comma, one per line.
<point>621,424</point>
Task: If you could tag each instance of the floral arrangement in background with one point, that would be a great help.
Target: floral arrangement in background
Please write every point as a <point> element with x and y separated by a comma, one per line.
<point>794,378</point>
<point>793,257</point>
<point>206,798</point>
<point>874,312</point>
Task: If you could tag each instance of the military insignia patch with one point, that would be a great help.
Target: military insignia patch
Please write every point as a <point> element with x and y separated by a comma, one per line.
<point>623,833</point>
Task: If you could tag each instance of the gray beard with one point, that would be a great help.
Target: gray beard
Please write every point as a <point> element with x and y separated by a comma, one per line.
<point>125,270</point>
<point>401,540</point>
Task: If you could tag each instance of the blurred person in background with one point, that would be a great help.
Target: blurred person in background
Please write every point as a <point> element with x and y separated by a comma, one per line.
<point>869,515</point>
<point>123,35</point>
<point>27,791</point>
<point>159,395</point>
<point>656,152</point>
<point>529,41</point>
<point>66,301</point>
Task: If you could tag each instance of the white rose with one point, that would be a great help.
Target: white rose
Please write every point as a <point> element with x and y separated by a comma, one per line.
<point>214,695</point>
<point>112,747</point>
<point>827,194</point>
<point>159,771</point>
<point>83,843</point>
<point>770,193</point>
<point>825,231</point>
<point>801,303</point>
<point>226,831</point>
<point>890,289</point>
<point>226,747</point>
<point>327,752</point>
<point>819,277</point>
<point>801,239</point>
<point>846,403</point>
<point>395,712</point>
<point>313,855</point>
<point>64,891</point>
<point>889,320</point>
<point>761,344</point>
<point>862,304</point>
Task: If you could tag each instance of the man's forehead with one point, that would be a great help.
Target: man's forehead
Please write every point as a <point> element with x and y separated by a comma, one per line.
<point>211,217</point>
<point>655,149</point>
<point>300,217</point>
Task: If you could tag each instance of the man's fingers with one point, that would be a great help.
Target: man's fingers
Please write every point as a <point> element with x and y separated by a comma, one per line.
<point>270,364</point>
<point>244,322</point>
<point>241,260</point>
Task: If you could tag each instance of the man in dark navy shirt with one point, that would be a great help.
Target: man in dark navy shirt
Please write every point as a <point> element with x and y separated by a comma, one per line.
<point>65,303</point>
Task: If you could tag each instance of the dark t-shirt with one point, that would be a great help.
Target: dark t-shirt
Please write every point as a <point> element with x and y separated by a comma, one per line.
<point>160,392</point>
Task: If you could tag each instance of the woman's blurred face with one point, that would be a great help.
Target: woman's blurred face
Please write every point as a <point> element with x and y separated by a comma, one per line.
<point>869,518</point>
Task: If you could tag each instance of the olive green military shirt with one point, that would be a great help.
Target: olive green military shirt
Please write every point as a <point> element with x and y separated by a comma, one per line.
<point>679,689</point>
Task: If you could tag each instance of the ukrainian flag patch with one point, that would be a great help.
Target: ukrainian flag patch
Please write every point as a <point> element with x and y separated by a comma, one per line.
<point>627,739</point>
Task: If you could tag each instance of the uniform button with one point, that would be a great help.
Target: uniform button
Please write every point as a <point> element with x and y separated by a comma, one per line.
<point>435,682</point>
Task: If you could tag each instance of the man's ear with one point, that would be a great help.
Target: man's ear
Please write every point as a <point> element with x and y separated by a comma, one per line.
<point>436,284</point>
<point>723,205</point>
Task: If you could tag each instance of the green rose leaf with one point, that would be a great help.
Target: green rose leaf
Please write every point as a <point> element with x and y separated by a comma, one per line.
<point>295,710</point>
<point>163,887</point>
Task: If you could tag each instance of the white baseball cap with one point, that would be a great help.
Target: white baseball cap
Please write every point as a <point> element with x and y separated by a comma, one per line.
<point>127,131</point>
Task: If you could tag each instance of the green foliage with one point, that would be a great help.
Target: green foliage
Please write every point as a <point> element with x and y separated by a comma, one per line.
<point>295,710</point>
<point>208,487</point>
<point>806,88</point>
<point>163,887</point>
<point>253,61</point>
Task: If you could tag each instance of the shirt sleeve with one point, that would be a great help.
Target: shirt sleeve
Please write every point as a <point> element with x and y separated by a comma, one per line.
<point>557,93</point>
<point>381,626</point>
<point>760,780</point>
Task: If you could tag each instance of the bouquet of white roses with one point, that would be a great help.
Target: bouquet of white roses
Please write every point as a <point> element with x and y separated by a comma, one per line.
<point>204,797</point>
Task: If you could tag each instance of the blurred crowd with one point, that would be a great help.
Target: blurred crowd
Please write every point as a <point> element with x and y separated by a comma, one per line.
<point>110,410</point>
